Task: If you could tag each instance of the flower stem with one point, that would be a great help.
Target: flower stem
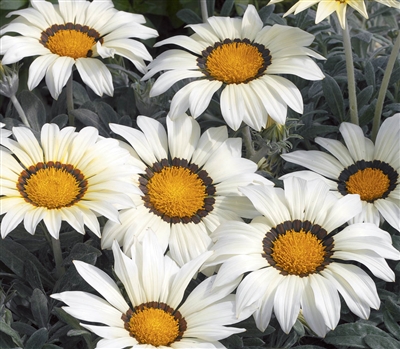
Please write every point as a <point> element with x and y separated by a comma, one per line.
<point>20,111</point>
<point>55,243</point>
<point>204,12</point>
<point>351,83</point>
<point>70,101</point>
<point>383,88</point>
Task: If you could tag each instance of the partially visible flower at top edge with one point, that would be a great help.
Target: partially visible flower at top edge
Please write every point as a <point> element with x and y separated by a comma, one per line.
<point>243,58</point>
<point>154,315</point>
<point>360,167</point>
<point>4,133</point>
<point>327,7</point>
<point>298,255</point>
<point>9,80</point>
<point>189,182</point>
<point>74,33</point>
<point>68,176</point>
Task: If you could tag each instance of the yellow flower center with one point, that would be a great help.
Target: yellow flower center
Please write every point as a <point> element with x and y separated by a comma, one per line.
<point>176,192</point>
<point>70,40</point>
<point>370,184</point>
<point>298,248</point>
<point>235,62</point>
<point>154,326</point>
<point>52,185</point>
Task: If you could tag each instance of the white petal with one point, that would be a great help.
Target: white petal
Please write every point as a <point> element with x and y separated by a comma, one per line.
<point>58,74</point>
<point>337,149</point>
<point>156,136</point>
<point>183,41</point>
<point>287,301</point>
<point>251,23</point>
<point>354,139</point>
<point>103,284</point>
<point>38,69</point>
<point>201,95</point>
<point>96,75</point>
<point>232,105</point>
<point>88,307</point>
<point>317,161</point>
<point>387,140</point>
<point>390,211</point>
<point>167,79</point>
<point>183,136</point>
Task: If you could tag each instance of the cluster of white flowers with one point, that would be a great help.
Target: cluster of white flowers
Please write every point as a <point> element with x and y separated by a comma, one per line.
<point>178,200</point>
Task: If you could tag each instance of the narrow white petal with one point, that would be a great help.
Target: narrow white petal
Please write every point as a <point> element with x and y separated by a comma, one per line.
<point>287,301</point>
<point>183,277</point>
<point>167,79</point>
<point>390,211</point>
<point>108,332</point>
<point>103,284</point>
<point>343,210</point>
<point>13,218</point>
<point>337,149</point>
<point>387,143</point>
<point>317,161</point>
<point>251,23</point>
<point>52,219</point>
<point>88,307</point>
<point>127,271</point>
<point>183,136</point>
<point>58,74</point>
<point>327,299</point>
<point>201,95</point>
<point>155,134</point>
<point>183,41</point>
<point>354,139</point>
<point>96,75</point>
<point>232,106</point>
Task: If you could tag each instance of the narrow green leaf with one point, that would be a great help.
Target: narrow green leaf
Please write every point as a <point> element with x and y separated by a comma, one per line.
<point>334,97</point>
<point>90,118</point>
<point>227,8</point>
<point>379,342</point>
<point>37,340</point>
<point>5,328</point>
<point>188,16</point>
<point>364,96</point>
<point>14,255</point>
<point>266,12</point>
<point>353,334</point>
<point>370,74</point>
<point>33,108</point>
<point>391,324</point>
<point>32,275</point>
<point>39,306</point>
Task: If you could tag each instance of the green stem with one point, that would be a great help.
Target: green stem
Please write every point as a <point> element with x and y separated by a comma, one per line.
<point>383,88</point>
<point>55,243</point>
<point>20,111</point>
<point>351,83</point>
<point>204,12</point>
<point>70,101</point>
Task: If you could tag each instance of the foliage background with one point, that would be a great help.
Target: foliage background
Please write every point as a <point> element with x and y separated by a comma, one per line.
<point>30,319</point>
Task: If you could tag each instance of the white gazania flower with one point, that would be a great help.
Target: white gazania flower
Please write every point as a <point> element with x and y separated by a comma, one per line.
<point>327,7</point>
<point>360,167</point>
<point>295,257</point>
<point>154,316</point>
<point>74,33</point>
<point>68,176</point>
<point>243,58</point>
<point>189,184</point>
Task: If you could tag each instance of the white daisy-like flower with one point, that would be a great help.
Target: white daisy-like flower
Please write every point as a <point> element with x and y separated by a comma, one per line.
<point>295,257</point>
<point>68,176</point>
<point>242,58</point>
<point>360,167</point>
<point>190,185</point>
<point>154,316</point>
<point>327,7</point>
<point>74,33</point>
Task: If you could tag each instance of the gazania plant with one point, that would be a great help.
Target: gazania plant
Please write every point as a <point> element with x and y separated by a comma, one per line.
<point>199,174</point>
